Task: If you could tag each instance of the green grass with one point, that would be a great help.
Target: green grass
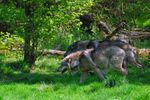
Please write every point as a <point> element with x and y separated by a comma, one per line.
<point>43,83</point>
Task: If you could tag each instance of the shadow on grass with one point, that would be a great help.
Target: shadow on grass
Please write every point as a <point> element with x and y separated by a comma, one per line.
<point>17,74</point>
<point>134,76</point>
<point>32,78</point>
<point>67,79</point>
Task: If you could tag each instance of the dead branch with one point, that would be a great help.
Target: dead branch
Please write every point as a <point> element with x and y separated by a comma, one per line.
<point>117,30</point>
<point>52,52</point>
<point>104,27</point>
<point>136,34</point>
<point>49,52</point>
<point>142,52</point>
<point>131,34</point>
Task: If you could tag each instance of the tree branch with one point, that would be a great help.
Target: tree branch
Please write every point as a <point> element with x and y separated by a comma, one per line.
<point>52,52</point>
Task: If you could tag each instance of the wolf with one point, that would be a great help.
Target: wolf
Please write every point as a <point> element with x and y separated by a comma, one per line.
<point>98,60</point>
<point>87,44</point>
<point>76,51</point>
<point>81,45</point>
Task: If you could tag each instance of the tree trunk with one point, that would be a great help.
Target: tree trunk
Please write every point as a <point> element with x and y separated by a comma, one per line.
<point>29,56</point>
<point>29,37</point>
<point>30,44</point>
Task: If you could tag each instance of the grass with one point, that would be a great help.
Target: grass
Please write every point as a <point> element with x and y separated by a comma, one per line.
<point>43,83</point>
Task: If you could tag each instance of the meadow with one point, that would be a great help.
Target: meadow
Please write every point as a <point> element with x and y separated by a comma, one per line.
<point>43,83</point>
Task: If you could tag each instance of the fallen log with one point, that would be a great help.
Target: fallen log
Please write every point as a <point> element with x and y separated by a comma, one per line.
<point>49,52</point>
<point>131,34</point>
<point>136,34</point>
<point>52,52</point>
<point>142,52</point>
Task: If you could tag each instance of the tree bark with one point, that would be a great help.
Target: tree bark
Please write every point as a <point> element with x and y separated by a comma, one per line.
<point>53,52</point>
<point>136,34</point>
<point>29,36</point>
<point>29,56</point>
<point>143,52</point>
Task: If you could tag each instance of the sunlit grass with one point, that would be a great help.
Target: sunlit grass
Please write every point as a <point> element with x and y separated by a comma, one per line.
<point>43,83</point>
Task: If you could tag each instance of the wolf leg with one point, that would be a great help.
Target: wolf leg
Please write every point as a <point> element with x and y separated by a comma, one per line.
<point>83,76</point>
<point>94,66</point>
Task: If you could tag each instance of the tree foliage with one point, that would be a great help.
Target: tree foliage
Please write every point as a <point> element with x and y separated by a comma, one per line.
<point>57,23</point>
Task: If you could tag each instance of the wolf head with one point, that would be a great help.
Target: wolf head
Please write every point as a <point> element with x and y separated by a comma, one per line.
<point>68,65</point>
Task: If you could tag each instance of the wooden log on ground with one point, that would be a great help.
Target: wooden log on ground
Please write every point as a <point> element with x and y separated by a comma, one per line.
<point>52,52</point>
<point>49,52</point>
<point>142,52</point>
<point>131,34</point>
<point>136,34</point>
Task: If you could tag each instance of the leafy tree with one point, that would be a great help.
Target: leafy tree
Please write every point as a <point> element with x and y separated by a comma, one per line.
<point>134,12</point>
<point>43,22</point>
